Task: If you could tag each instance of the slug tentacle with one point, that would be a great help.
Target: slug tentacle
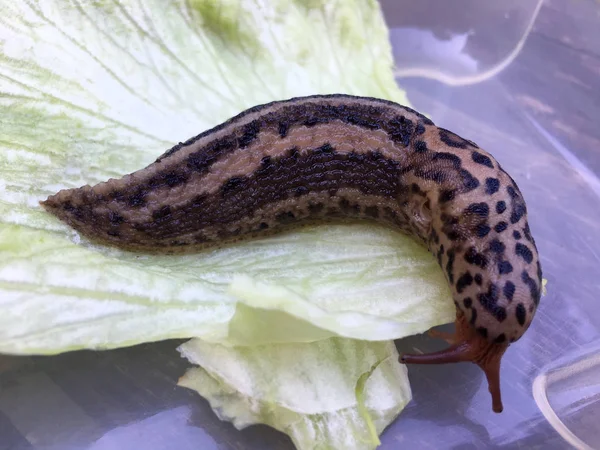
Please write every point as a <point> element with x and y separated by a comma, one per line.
<point>328,157</point>
<point>468,346</point>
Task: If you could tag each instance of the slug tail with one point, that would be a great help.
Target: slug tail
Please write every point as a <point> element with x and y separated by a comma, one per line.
<point>469,346</point>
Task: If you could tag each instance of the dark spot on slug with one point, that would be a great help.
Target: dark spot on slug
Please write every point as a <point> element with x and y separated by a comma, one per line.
<point>447,195</point>
<point>496,246</point>
<point>316,208</point>
<point>285,217</point>
<point>524,252</point>
<point>137,199</point>
<point>415,189</point>
<point>500,339</point>
<point>521,314</point>
<point>472,256</point>
<point>504,267</point>
<point>509,290</point>
<point>400,130</point>
<point>325,148</point>
<point>372,211</point>
<point>479,209</point>
<point>480,158</point>
<point>511,191</point>
<point>478,279</point>
<point>516,235</point>
<point>500,206</point>
<point>500,227</point>
<point>283,129</point>
<point>482,229</point>
<point>468,302</point>
<point>263,226</point>
<point>518,211</point>
<point>492,185</point>
<point>482,331</point>
<point>489,301</point>
<point>420,147</point>
<point>465,280</point>
<point>349,208</point>
<point>420,129</point>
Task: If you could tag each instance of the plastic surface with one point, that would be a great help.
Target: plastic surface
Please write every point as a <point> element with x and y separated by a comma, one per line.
<point>538,116</point>
<point>568,394</point>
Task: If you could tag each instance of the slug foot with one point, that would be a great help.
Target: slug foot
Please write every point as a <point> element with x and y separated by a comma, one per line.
<point>466,345</point>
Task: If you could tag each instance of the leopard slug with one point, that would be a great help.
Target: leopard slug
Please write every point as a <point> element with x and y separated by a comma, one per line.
<point>330,157</point>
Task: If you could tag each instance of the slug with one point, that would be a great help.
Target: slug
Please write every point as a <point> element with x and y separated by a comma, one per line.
<point>330,157</point>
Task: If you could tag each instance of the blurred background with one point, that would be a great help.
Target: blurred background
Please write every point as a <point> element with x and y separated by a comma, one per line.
<point>522,79</point>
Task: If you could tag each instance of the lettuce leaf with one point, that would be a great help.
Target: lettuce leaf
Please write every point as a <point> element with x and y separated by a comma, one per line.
<point>95,90</point>
<point>335,393</point>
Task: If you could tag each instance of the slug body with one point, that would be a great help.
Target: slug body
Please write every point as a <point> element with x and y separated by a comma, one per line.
<point>338,156</point>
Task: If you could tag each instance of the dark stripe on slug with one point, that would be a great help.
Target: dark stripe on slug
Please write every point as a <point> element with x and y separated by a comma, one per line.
<point>233,184</point>
<point>533,288</point>
<point>473,315</point>
<point>469,181</point>
<point>249,133</point>
<point>521,314</point>
<point>292,175</point>
<point>283,116</point>
<point>450,265</point>
<point>451,139</point>
<point>438,157</point>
